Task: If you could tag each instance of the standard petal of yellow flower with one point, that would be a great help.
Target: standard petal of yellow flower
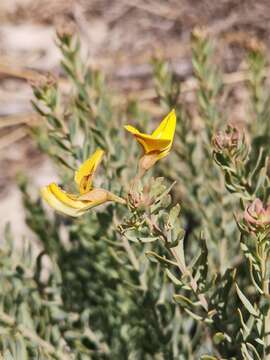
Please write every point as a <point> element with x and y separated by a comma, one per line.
<point>148,142</point>
<point>166,128</point>
<point>84,175</point>
<point>161,139</point>
<point>57,204</point>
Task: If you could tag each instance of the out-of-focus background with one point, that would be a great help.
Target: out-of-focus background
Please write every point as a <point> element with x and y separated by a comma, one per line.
<point>120,37</point>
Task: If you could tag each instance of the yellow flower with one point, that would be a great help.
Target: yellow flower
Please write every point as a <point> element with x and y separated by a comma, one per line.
<point>84,175</point>
<point>157,145</point>
<point>77,204</point>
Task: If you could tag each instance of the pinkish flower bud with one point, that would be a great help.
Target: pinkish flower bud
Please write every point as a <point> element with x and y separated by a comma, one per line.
<point>44,84</point>
<point>65,29</point>
<point>200,33</point>
<point>257,216</point>
<point>228,140</point>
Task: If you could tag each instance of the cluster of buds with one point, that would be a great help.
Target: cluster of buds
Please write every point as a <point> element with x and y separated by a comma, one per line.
<point>257,216</point>
<point>200,33</point>
<point>229,141</point>
<point>139,199</point>
<point>45,88</point>
<point>256,46</point>
<point>65,30</point>
<point>230,152</point>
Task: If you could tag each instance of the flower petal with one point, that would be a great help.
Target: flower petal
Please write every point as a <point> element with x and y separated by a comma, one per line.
<point>161,139</point>
<point>166,128</point>
<point>84,175</point>
<point>148,142</point>
<point>68,199</point>
<point>57,204</point>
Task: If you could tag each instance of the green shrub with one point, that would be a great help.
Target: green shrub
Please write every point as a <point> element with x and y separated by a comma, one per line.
<point>144,280</point>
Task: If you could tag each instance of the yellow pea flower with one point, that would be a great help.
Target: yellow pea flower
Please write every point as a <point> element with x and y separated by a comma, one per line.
<point>157,145</point>
<point>77,204</point>
<point>84,175</point>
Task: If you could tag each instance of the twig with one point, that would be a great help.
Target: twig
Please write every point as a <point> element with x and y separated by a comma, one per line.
<point>181,266</point>
<point>131,254</point>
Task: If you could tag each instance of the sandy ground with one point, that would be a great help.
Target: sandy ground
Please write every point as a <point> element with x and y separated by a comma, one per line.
<point>121,37</point>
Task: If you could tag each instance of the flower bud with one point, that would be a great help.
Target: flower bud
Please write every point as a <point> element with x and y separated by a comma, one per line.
<point>256,46</point>
<point>257,216</point>
<point>44,87</point>
<point>199,33</point>
<point>228,140</point>
<point>65,30</point>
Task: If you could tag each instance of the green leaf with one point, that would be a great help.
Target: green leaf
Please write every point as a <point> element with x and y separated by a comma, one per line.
<point>21,352</point>
<point>179,254</point>
<point>250,308</point>
<point>245,352</point>
<point>64,162</point>
<point>157,187</point>
<point>165,192</point>
<point>173,215</point>
<point>254,350</point>
<point>160,259</point>
<point>201,266</point>
<point>245,329</point>
<point>219,337</point>
<point>173,278</point>
<point>193,315</point>
<point>183,300</point>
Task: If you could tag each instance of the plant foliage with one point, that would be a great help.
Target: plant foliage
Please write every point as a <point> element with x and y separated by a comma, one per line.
<point>179,272</point>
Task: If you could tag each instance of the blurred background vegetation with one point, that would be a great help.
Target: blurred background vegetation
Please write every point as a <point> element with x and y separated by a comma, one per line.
<point>98,296</point>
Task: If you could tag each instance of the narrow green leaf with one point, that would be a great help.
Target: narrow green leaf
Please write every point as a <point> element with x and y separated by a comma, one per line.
<point>183,300</point>
<point>173,215</point>
<point>250,308</point>
<point>173,278</point>
<point>160,259</point>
